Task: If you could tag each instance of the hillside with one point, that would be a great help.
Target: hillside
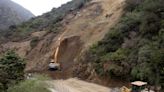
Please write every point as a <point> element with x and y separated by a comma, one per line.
<point>83,23</point>
<point>134,48</point>
<point>110,42</point>
<point>12,14</point>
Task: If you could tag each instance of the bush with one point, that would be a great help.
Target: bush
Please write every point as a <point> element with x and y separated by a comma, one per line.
<point>34,42</point>
<point>132,4</point>
<point>150,24</point>
<point>119,55</point>
<point>12,70</point>
<point>35,85</point>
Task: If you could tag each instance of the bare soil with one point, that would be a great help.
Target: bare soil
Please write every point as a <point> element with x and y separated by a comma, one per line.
<point>75,85</point>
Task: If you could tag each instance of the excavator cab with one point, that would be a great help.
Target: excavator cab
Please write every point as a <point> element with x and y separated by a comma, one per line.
<point>139,86</point>
<point>54,66</point>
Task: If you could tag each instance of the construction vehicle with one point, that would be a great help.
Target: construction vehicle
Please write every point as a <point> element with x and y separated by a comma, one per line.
<point>54,64</point>
<point>137,86</point>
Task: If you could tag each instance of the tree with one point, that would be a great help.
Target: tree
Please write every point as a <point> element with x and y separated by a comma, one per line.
<point>12,70</point>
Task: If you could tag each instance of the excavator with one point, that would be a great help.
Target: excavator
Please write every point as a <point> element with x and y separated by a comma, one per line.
<point>54,64</point>
<point>137,86</point>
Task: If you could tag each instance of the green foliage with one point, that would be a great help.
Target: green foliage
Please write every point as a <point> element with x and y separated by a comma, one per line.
<point>35,85</point>
<point>149,24</point>
<point>119,55</point>
<point>34,42</point>
<point>132,4</point>
<point>12,70</point>
<point>112,41</point>
<point>134,48</point>
<point>141,73</point>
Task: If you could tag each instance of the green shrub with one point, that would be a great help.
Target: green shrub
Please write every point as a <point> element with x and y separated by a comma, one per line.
<point>132,4</point>
<point>119,55</point>
<point>150,24</point>
<point>32,85</point>
<point>34,42</point>
<point>112,41</point>
<point>12,70</point>
<point>141,72</point>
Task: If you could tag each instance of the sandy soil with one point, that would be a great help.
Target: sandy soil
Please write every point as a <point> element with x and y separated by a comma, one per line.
<point>75,85</point>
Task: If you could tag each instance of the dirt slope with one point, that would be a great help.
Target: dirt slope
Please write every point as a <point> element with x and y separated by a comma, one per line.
<point>21,48</point>
<point>81,29</point>
<point>90,24</point>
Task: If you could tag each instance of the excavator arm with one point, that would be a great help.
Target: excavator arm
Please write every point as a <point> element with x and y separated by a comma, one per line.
<point>54,64</point>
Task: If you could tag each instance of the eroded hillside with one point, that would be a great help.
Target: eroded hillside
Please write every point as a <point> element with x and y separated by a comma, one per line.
<point>79,29</point>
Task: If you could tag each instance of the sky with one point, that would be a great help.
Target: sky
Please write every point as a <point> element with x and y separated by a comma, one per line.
<point>38,7</point>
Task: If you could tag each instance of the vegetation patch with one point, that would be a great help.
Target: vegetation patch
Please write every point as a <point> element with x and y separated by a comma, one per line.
<point>32,85</point>
<point>34,42</point>
<point>11,70</point>
<point>134,49</point>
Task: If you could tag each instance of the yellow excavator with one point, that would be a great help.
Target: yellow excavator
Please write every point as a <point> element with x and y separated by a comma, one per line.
<point>54,64</point>
<point>137,86</point>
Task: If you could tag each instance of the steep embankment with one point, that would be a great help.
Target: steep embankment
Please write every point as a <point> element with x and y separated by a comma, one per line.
<point>82,28</point>
<point>12,14</point>
<point>133,49</point>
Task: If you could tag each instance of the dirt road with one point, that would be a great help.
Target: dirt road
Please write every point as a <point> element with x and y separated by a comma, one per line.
<point>75,85</point>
